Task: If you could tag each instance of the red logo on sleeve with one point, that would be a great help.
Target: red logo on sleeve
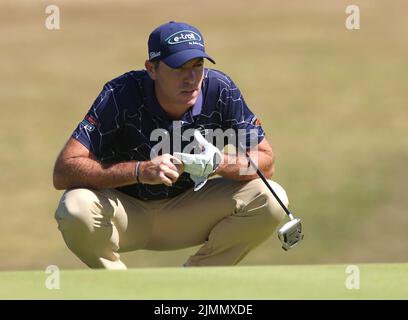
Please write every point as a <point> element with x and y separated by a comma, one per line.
<point>255,121</point>
<point>92,120</point>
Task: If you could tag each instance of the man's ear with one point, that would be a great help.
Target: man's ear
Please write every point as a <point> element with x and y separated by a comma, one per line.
<point>150,69</point>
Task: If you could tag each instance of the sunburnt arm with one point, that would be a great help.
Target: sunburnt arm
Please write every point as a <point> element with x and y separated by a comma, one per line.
<point>237,166</point>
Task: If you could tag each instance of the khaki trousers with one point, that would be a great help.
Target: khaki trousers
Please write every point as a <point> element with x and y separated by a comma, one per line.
<point>229,218</point>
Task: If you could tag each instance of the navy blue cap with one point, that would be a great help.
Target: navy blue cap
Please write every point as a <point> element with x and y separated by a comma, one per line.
<point>175,43</point>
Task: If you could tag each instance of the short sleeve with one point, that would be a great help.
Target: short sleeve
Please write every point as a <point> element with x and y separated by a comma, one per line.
<point>101,124</point>
<point>237,116</point>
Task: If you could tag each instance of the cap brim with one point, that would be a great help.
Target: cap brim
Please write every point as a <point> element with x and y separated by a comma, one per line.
<point>177,59</point>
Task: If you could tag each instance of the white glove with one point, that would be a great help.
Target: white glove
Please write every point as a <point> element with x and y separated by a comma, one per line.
<point>200,166</point>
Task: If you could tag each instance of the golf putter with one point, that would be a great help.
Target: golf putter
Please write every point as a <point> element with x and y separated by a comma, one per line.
<point>290,234</point>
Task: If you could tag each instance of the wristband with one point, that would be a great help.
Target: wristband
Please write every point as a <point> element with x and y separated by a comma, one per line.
<point>136,173</point>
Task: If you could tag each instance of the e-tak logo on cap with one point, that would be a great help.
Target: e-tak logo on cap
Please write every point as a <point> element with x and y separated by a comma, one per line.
<point>183,36</point>
<point>153,54</point>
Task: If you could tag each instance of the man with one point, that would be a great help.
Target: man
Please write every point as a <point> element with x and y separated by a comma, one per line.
<point>125,194</point>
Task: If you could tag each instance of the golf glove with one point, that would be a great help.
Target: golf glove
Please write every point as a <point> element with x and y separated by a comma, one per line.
<point>200,166</point>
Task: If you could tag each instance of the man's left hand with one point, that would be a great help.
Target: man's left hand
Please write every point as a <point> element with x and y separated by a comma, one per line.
<point>201,165</point>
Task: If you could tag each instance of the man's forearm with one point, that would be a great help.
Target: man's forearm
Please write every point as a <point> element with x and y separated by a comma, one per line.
<point>89,173</point>
<point>236,167</point>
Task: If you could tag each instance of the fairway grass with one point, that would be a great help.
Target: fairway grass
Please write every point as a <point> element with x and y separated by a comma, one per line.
<point>377,281</point>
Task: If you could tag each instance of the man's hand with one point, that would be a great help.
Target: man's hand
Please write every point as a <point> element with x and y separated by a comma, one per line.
<point>162,169</point>
<point>200,166</point>
<point>235,166</point>
<point>203,164</point>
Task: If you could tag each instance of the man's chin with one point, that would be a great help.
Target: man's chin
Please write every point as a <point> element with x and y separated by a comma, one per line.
<point>188,99</point>
<point>190,102</point>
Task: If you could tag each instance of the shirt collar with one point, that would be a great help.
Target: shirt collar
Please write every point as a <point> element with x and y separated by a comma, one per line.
<point>198,105</point>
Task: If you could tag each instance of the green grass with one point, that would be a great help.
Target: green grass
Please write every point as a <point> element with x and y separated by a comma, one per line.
<point>377,281</point>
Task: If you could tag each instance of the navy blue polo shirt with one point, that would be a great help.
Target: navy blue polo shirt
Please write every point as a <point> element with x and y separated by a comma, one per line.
<point>120,122</point>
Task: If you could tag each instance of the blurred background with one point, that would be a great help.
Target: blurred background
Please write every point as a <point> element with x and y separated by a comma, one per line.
<point>333,103</point>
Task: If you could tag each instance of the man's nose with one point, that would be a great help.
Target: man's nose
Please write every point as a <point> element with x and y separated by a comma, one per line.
<point>190,76</point>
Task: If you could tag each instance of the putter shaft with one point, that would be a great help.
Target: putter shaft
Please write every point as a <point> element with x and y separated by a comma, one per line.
<point>260,174</point>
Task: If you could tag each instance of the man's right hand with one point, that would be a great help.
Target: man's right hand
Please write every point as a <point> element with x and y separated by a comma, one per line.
<point>164,169</point>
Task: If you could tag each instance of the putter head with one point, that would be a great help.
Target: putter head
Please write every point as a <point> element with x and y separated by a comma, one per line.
<point>290,234</point>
